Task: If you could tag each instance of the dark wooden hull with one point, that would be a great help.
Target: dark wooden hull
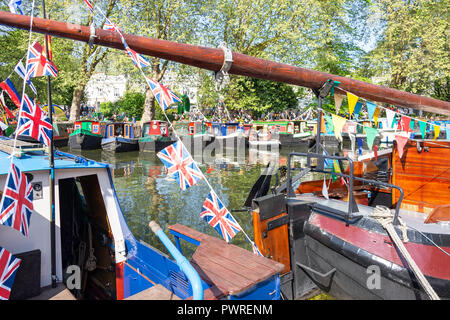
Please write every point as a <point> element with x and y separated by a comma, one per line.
<point>119,145</point>
<point>352,250</point>
<point>154,145</point>
<point>288,140</point>
<point>61,142</point>
<point>85,142</point>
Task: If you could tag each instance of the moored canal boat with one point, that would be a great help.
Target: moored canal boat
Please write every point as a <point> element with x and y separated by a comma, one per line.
<point>86,135</point>
<point>94,243</point>
<point>155,136</point>
<point>119,137</point>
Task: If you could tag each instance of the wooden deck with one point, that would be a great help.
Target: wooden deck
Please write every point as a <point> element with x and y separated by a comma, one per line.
<point>228,268</point>
<point>58,293</point>
<point>157,292</point>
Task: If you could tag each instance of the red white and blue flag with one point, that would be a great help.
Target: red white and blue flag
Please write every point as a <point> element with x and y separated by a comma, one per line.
<point>34,122</point>
<point>138,60</point>
<point>256,250</point>
<point>8,86</point>
<point>17,202</point>
<point>111,26</point>
<point>20,70</point>
<point>180,165</point>
<point>217,215</point>
<point>89,4</point>
<point>163,95</point>
<point>38,65</point>
<point>8,268</point>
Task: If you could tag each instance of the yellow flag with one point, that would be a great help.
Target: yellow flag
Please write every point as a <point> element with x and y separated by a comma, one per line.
<point>437,129</point>
<point>338,123</point>
<point>375,116</point>
<point>337,169</point>
<point>352,100</point>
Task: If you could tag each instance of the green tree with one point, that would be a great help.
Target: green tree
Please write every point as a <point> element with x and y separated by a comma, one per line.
<point>161,19</point>
<point>413,52</point>
<point>132,104</point>
<point>260,96</point>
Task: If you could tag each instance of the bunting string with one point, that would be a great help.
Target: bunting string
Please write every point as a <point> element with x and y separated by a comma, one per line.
<point>141,62</point>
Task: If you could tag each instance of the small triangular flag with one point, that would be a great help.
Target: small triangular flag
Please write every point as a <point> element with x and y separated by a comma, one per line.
<point>401,142</point>
<point>371,133</point>
<point>371,109</point>
<point>390,118</point>
<point>352,99</point>
<point>411,124</point>
<point>403,124</point>
<point>338,124</point>
<point>423,128</point>
<point>325,189</point>
<point>437,129</point>
<point>375,152</point>
<point>329,123</point>
<point>358,107</point>
<point>375,116</point>
<point>338,101</point>
<point>447,132</point>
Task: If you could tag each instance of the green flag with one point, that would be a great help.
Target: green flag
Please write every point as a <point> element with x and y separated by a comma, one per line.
<point>371,133</point>
<point>423,128</point>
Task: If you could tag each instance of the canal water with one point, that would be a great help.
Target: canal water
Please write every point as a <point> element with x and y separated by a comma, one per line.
<point>146,192</point>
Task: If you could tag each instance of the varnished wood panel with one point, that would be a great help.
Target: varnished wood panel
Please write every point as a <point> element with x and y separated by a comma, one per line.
<point>424,176</point>
<point>275,245</point>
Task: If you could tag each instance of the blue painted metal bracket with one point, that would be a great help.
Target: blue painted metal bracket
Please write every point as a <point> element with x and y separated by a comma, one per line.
<point>182,262</point>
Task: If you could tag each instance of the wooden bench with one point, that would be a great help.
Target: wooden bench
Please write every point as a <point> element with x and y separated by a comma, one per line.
<point>229,269</point>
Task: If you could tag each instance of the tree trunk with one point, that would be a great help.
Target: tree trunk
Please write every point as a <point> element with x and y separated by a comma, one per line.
<point>76,103</point>
<point>149,107</point>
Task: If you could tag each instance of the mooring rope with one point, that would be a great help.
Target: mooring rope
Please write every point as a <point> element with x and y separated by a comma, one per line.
<point>384,216</point>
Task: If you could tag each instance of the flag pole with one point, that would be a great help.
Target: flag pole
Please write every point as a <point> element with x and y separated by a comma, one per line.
<point>52,168</point>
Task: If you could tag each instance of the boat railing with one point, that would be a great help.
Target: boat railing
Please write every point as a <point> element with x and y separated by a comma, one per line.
<point>182,262</point>
<point>320,167</point>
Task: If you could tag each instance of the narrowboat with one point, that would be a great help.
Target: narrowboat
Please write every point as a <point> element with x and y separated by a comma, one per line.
<point>290,133</point>
<point>119,137</point>
<point>86,135</point>
<point>61,137</point>
<point>199,135</point>
<point>229,135</point>
<point>94,255</point>
<point>155,136</point>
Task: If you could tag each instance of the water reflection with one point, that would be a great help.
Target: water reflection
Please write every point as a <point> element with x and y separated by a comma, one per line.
<point>146,192</point>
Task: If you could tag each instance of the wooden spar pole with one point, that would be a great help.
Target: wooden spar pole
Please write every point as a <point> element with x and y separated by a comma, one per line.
<point>52,170</point>
<point>213,59</point>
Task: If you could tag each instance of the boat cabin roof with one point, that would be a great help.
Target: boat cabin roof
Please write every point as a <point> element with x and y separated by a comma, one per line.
<point>39,161</point>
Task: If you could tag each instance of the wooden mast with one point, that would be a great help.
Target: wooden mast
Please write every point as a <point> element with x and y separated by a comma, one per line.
<point>213,59</point>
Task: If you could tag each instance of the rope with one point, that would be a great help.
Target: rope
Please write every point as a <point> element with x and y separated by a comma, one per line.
<point>384,216</point>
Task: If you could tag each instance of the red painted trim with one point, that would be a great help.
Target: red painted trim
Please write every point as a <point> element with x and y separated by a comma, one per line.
<point>428,258</point>
<point>119,281</point>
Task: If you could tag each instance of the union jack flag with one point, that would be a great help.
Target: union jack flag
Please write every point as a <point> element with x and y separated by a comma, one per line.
<point>163,95</point>
<point>8,267</point>
<point>17,202</point>
<point>110,26</point>
<point>38,65</point>
<point>34,122</point>
<point>180,165</point>
<point>138,60</point>
<point>89,4</point>
<point>217,215</point>
<point>256,250</point>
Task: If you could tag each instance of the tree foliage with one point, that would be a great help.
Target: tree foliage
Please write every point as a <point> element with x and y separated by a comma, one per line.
<point>413,53</point>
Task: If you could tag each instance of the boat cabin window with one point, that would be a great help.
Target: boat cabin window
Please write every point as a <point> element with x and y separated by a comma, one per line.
<point>86,237</point>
